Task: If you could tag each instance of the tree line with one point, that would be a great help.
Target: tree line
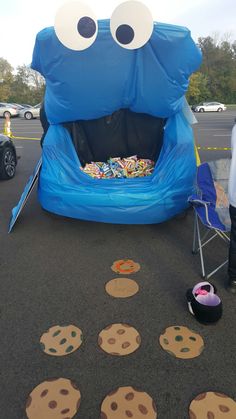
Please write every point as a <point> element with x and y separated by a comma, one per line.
<point>214,81</point>
<point>216,78</point>
<point>21,86</point>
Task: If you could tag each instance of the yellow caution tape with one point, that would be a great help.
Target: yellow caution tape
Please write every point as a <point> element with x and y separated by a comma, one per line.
<point>214,148</point>
<point>196,147</point>
<point>24,138</point>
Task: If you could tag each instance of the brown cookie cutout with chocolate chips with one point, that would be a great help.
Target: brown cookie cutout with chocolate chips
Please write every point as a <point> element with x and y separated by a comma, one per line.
<point>61,340</point>
<point>119,339</point>
<point>127,402</point>
<point>181,342</point>
<point>53,399</point>
<point>212,405</point>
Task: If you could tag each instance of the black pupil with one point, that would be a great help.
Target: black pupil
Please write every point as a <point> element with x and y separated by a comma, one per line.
<point>124,34</point>
<point>86,27</point>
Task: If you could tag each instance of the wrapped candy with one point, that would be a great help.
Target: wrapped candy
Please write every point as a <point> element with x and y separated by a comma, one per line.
<point>115,167</point>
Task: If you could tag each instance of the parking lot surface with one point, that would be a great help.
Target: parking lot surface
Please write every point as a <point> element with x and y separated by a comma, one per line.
<point>54,270</point>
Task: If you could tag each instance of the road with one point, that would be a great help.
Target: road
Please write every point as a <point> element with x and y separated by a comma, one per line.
<point>214,130</point>
<point>53,271</point>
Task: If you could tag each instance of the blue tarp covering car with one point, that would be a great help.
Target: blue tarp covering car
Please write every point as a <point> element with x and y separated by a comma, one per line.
<point>85,87</point>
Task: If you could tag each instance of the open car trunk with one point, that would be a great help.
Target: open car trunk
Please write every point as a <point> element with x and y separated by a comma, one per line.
<point>122,134</point>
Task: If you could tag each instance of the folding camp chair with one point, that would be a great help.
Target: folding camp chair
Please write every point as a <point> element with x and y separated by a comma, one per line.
<point>211,208</point>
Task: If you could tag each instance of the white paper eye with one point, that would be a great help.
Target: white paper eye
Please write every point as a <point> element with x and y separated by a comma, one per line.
<point>76,25</point>
<point>131,24</point>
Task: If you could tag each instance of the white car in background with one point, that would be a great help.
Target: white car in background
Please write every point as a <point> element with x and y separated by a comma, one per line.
<point>6,109</point>
<point>31,113</point>
<point>209,107</point>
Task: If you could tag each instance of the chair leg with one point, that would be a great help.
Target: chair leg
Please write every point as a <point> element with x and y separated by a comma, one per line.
<point>217,269</point>
<point>200,241</point>
<point>200,247</point>
<point>194,248</point>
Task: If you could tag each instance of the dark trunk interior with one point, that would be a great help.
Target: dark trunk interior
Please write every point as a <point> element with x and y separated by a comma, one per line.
<point>122,134</point>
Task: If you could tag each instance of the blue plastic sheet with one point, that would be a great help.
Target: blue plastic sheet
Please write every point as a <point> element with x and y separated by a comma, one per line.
<point>64,189</point>
<point>105,77</point>
<point>96,82</point>
<point>25,195</point>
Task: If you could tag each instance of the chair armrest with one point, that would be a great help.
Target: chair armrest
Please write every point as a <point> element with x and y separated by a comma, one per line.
<point>197,202</point>
<point>195,199</point>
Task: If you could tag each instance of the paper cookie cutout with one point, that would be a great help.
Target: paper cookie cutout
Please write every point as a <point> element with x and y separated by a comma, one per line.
<point>125,266</point>
<point>119,339</point>
<point>127,402</point>
<point>181,342</point>
<point>61,340</point>
<point>212,405</point>
<point>121,287</point>
<point>53,399</point>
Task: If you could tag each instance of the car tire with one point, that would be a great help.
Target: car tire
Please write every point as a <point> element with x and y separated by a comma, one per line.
<point>219,110</point>
<point>8,164</point>
<point>7,113</point>
<point>201,110</point>
<point>28,115</point>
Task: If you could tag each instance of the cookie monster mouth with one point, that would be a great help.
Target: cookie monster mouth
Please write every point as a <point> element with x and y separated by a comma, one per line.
<point>122,134</point>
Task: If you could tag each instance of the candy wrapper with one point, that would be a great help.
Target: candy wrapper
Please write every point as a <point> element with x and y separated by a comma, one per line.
<point>115,167</point>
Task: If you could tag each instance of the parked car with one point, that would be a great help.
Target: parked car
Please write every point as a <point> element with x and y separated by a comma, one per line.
<point>26,105</point>
<point>30,113</point>
<point>6,109</point>
<point>8,158</point>
<point>209,107</point>
<point>17,106</point>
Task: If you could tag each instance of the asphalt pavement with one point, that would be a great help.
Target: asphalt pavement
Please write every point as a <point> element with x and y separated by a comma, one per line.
<point>53,271</point>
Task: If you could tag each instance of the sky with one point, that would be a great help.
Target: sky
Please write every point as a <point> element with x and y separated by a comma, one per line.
<point>21,20</point>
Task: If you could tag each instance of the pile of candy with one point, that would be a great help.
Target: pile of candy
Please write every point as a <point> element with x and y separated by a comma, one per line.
<point>116,167</point>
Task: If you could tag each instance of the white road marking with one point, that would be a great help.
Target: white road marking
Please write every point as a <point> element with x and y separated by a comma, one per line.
<point>222,135</point>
